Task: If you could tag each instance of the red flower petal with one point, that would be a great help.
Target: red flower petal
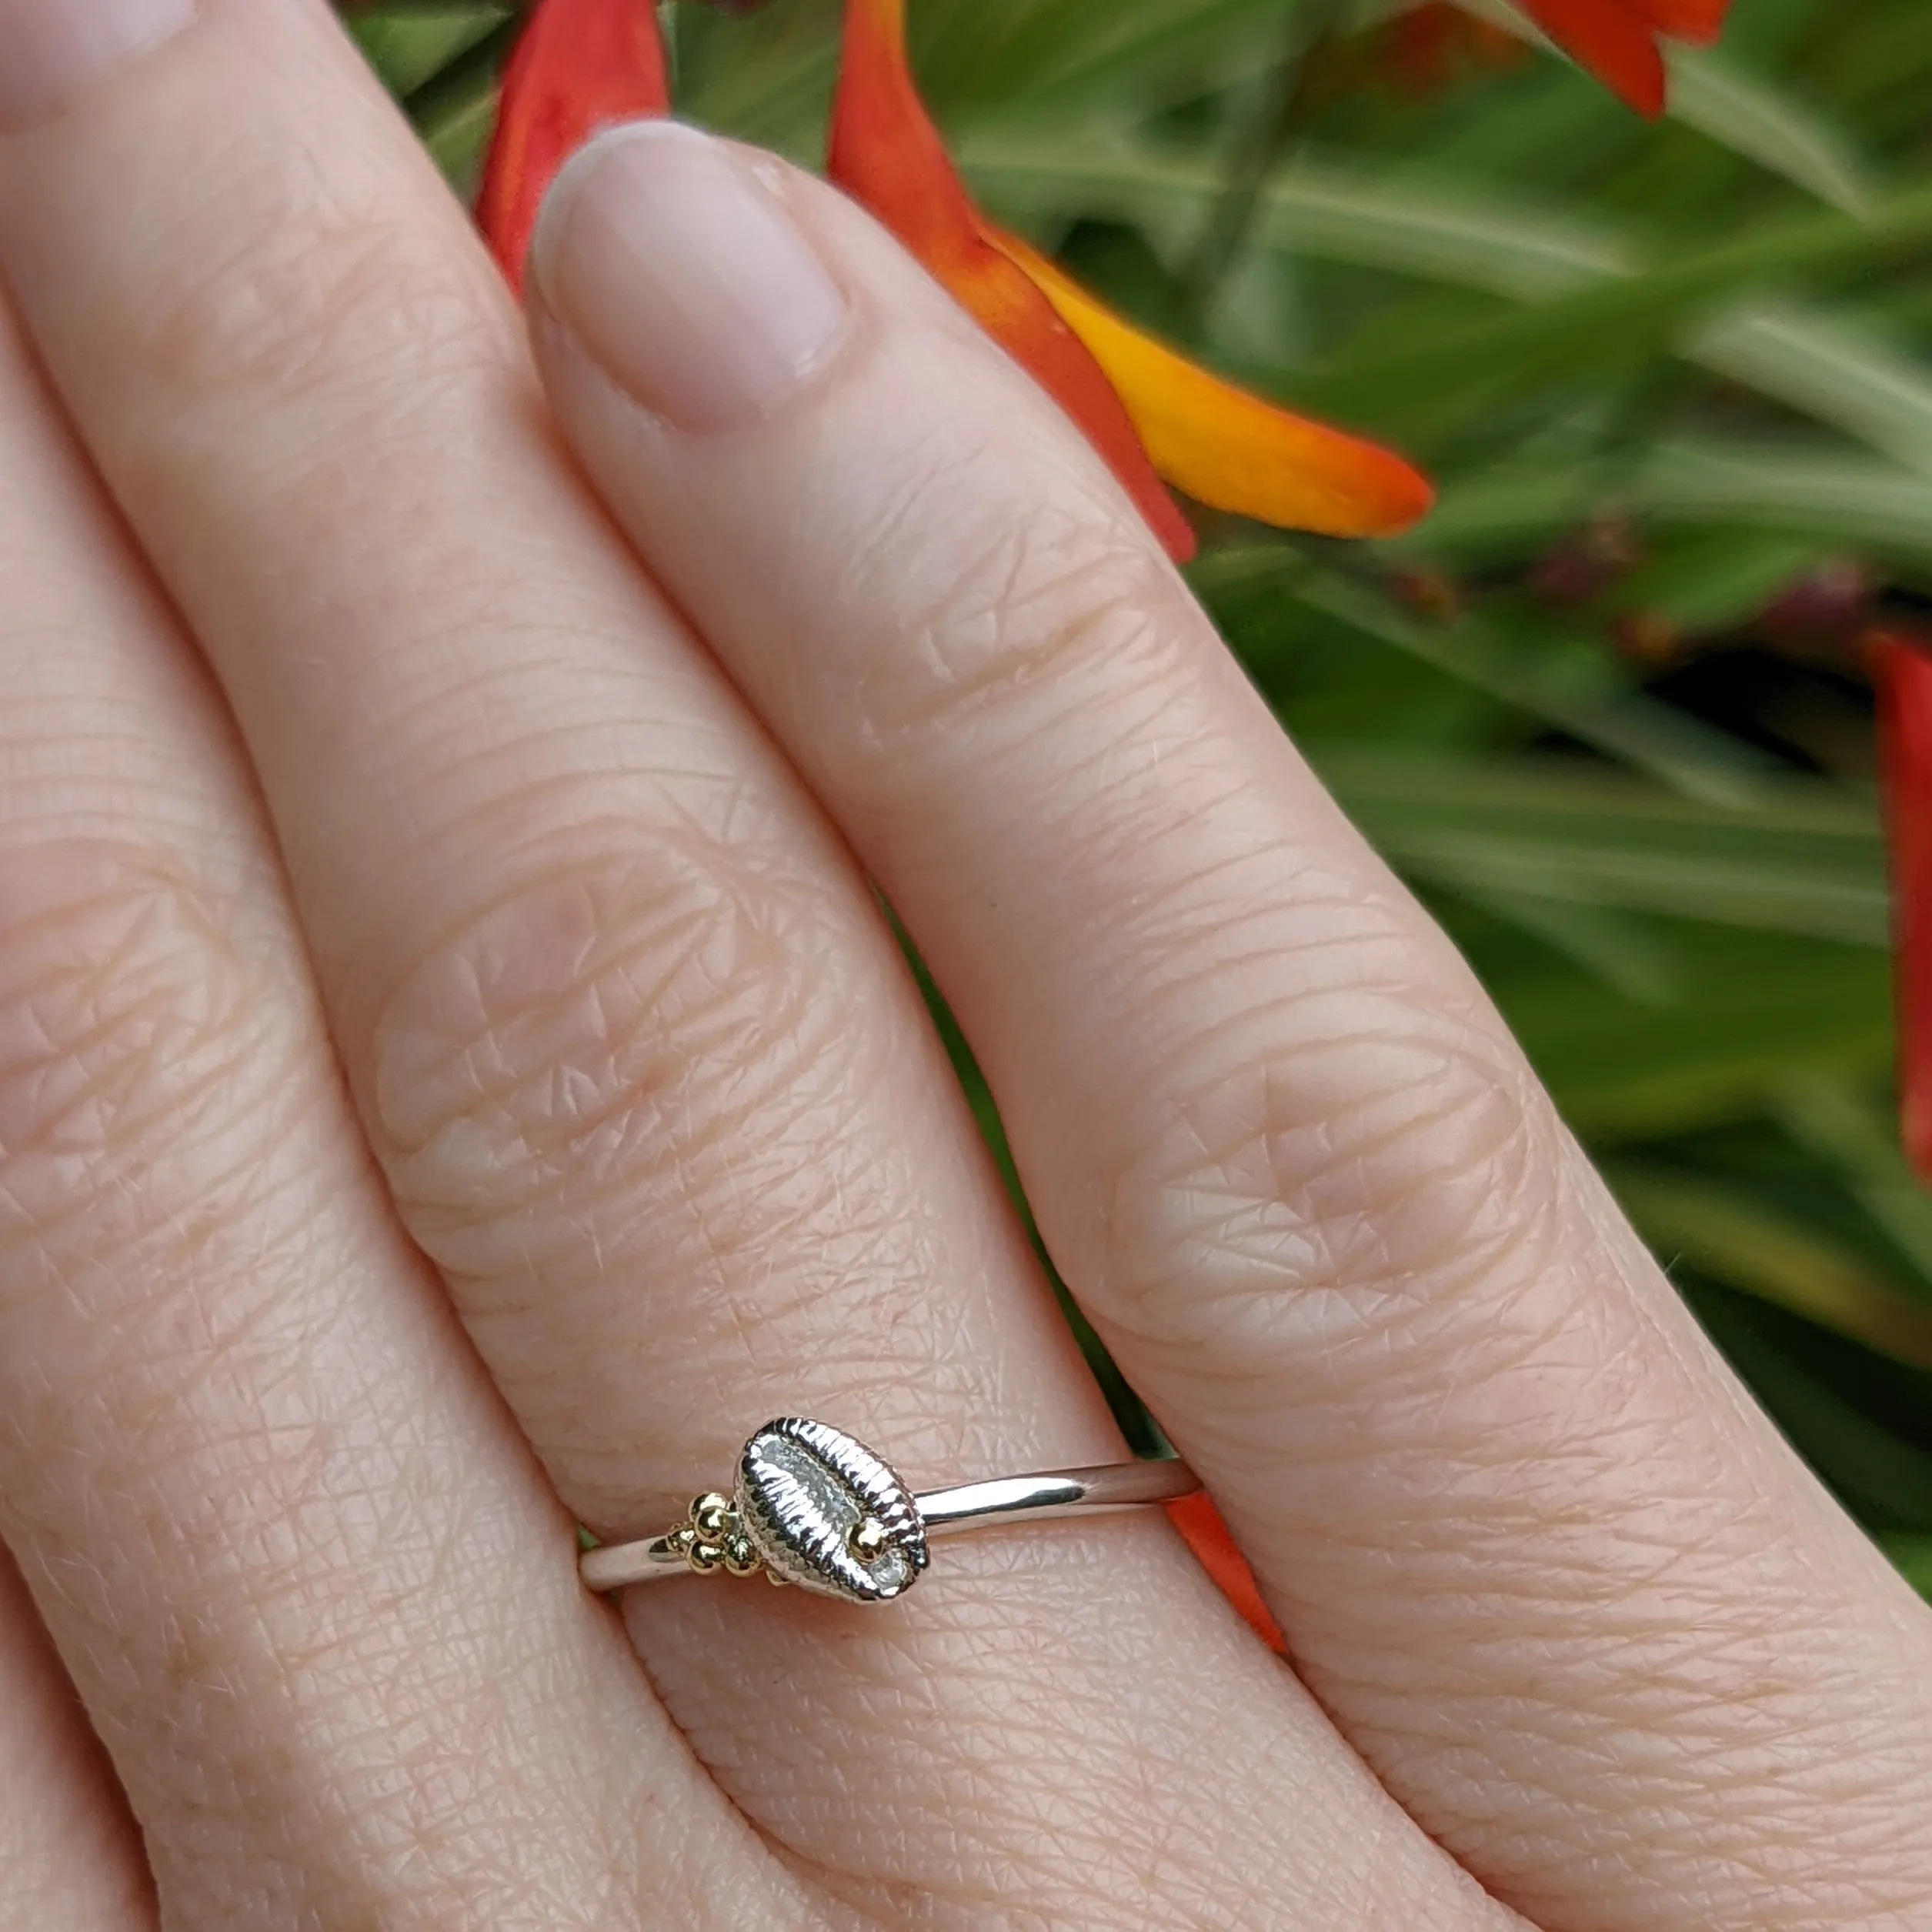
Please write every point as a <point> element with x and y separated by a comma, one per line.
<point>1699,22</point>
<point>1204,1533</point>
<point>1613,40</point>
<point>1902,670</point>
<point>1617,39</point>
<point>579,66</point>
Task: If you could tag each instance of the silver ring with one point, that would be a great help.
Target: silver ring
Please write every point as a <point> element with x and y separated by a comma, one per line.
<point>813,1506</point>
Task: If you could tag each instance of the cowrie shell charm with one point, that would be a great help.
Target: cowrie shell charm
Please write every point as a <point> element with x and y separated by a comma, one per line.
<point>824,1512</point>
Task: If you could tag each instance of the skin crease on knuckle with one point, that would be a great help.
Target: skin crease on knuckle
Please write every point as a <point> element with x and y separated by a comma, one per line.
<point>633,1077</point>
<point>240,1524</point>
<point>1312,1069</point>
<point>1002,607</point>
<point>1271,1116</point>
<point>127,1016</point>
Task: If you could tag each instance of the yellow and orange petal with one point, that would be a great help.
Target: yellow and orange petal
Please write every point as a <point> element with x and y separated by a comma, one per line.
<point>1150,412</point>
<point>886,153</point>
<point>578,66</point>
<point>1619,41</point>
<point>1226,446</point>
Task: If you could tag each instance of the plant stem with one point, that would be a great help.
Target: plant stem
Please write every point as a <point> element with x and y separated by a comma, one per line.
<point>1294,86</point>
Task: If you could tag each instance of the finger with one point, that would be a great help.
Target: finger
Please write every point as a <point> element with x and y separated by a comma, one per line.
<point>69,1856</point>
<point>644,1067</point>
<point>314,1596</point>
<point>1517,1522</point>
<point>589,949</point>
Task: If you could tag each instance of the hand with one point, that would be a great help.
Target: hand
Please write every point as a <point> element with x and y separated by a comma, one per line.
<point>454,1078</point>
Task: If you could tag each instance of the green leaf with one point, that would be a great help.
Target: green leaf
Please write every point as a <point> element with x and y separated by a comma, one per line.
<point>408,49</point>
<point>1752,115</point>
<point>1745,1241</point>
<point>456,129</point>
<point>1709,580</point>
<point>1835,367</point>
<point>1080,50</point>
<point>1803,859</point>
<point>1628,955</point>
<point>1610,324</point>
<point>1888,1480</point>
<point>1323,205</point>
<point>1752,1010</point>
<point>1749,113</point>
<point>1835,1122</point>
<point>1912,1555</point>
<point>1822,491</point>
<point>1621,723</point>
<point>1815,490</point>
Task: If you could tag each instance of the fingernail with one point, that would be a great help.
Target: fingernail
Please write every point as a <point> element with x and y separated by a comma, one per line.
<point>678,266</point>
<point>51,50</point>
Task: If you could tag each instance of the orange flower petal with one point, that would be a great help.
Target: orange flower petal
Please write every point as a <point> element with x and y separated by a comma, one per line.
<point>1204,1533</point>
<point>579,66</point>
<point>1226,446</point>
<point>1902,671</point>
<point>887,154</point>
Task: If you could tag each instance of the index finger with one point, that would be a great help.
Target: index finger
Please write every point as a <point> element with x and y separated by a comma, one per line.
<point>1587,1615</point>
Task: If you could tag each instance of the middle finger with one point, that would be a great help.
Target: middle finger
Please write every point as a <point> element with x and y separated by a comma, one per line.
<point>588,950</point>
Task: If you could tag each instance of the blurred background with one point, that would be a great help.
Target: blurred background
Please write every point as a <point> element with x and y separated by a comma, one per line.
<point>1607,711</point>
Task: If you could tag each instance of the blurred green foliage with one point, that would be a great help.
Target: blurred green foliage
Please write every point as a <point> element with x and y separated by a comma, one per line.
<point>1605,709</point>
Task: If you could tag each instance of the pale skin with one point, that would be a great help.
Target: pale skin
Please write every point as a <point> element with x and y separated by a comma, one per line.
<point>456,1080</point>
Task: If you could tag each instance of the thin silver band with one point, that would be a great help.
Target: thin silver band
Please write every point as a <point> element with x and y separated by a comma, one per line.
<point>1050,1495</point>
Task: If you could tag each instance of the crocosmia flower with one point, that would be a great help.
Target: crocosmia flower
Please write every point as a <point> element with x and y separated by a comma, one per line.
<point>1902,671</point>
<point>1150,412</point>
<point>578,65</point>
<point>1620,41</point>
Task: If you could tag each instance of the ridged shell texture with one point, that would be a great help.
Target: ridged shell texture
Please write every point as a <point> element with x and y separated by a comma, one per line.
<point>804,1488</point>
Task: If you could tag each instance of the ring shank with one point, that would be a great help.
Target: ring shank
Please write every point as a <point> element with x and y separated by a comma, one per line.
<point>1050,1495</point>
<point>1054,1493</point>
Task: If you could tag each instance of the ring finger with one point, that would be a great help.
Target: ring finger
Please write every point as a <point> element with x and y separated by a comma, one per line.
<point>297,1561</point>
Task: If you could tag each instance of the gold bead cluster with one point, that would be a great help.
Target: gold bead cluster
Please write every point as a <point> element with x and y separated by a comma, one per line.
<point>712,1538</point>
